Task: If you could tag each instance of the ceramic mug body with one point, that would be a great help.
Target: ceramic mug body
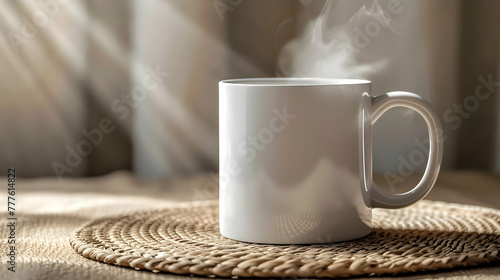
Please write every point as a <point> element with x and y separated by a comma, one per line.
<point>295,160</point>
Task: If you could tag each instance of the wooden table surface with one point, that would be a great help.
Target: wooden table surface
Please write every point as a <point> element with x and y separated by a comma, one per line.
<point>49,210</point>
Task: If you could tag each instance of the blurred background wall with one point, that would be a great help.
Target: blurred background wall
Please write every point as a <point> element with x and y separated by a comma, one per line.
<point>89,87</point>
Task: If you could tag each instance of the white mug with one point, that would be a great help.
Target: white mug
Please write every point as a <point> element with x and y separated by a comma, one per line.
<point>295,161</point>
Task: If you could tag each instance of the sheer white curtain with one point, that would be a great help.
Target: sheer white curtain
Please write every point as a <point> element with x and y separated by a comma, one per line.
<point>42,108</point>
<point>424,51</point>
<point>63,63</point>
<point>67,65</point>
<point>176,126</point>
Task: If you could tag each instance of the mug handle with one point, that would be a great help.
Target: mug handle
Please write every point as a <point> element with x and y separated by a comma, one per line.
<point>379,105</point>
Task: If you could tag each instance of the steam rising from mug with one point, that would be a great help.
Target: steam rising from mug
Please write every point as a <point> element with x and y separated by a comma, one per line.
<point>326,50</point>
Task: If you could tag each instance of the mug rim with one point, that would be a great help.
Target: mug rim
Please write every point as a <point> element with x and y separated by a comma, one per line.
<point>291,81</point>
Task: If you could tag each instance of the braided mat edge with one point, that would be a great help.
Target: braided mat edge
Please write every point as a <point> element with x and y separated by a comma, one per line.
<point>185,240</point>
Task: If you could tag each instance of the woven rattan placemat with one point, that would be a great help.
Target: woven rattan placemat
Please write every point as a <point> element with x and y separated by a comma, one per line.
<point>185,240</point>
